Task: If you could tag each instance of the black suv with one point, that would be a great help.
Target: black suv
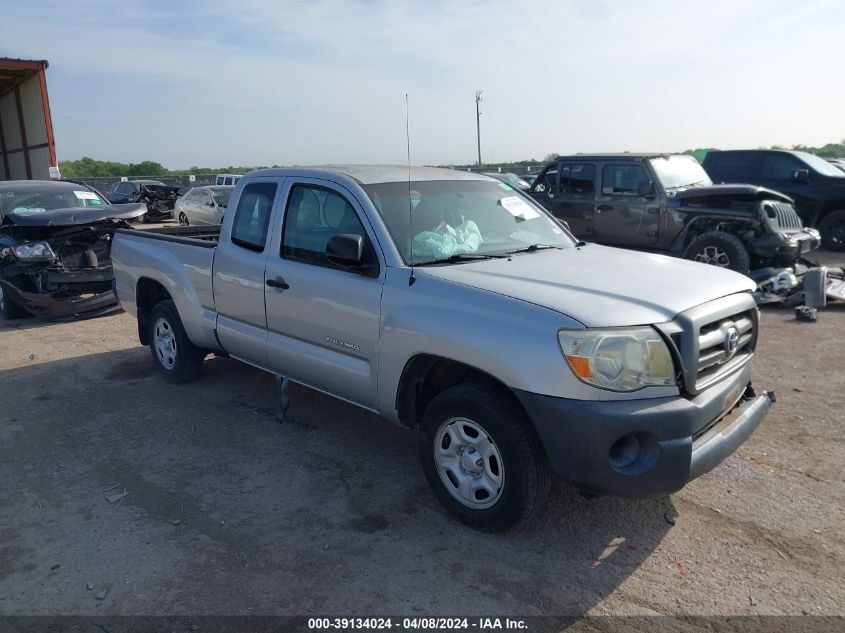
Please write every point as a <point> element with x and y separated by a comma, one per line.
<point>816,185</point>
<point>667,203</point>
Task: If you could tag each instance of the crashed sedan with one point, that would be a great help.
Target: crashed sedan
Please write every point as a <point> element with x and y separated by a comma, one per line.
<point>55,247</point>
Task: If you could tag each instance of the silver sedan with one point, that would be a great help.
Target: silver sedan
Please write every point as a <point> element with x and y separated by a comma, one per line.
<point>203,205</point>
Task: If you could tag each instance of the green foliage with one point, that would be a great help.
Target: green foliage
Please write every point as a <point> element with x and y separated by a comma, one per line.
<point>86,167</point>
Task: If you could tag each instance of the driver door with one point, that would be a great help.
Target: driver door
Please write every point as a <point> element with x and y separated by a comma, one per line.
<point>323,320</point>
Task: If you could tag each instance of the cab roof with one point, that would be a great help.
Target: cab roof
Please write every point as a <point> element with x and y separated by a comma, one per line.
<point>372,174</point>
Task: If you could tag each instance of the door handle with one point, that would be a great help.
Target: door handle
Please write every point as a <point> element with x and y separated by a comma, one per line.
<point>278,282</point>
<point>604,207</point>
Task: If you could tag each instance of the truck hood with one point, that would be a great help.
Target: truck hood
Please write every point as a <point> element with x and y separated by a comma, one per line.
<point>76,215</point>
<point>731,191</point>
<point>598,285</point>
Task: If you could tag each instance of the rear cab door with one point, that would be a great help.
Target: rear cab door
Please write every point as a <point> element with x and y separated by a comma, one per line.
<point>576,198</point>
<point>323,320</point>
<point>238,270</point>
<point>624,217</point>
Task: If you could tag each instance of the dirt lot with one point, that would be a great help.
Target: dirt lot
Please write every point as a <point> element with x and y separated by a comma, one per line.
<point>229,511</point>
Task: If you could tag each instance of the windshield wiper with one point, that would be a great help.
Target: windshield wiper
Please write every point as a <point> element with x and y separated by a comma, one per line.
<point>531,248</point>
<point>461,257</point>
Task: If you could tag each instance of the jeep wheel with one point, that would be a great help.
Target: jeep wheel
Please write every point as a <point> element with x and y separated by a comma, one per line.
<point>832,228</point>
<point>718,248</point>
<point>481,458</point>
<point>175,357</point>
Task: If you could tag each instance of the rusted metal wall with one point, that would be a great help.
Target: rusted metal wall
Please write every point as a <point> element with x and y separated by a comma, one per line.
<point>27,147</point>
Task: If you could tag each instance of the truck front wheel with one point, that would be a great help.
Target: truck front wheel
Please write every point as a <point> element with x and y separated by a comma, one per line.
<point>719,249</point>
<point>832,228</point>
<point>481,458</point>
<point>175,357</point>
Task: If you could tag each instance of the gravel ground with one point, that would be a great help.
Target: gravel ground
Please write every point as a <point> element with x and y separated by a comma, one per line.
<point>228,511</point>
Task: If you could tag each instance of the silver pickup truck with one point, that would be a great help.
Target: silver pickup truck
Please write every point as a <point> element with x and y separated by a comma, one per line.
<point>451,303</point>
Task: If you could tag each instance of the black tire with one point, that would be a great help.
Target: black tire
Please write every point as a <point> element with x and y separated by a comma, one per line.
<point>185,362</point>
<point>719,249</point>
<point>524,473</point>
<point>146,219</point>
<point>832,228</point>
<point>183,219</point>
<point>8,308</point>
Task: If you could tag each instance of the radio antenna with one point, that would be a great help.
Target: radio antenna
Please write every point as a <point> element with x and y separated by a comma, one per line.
<point>411,279</point>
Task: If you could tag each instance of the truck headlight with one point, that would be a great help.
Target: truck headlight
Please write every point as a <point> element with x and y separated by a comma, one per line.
<point>618,359</point>
<point>34,252</point>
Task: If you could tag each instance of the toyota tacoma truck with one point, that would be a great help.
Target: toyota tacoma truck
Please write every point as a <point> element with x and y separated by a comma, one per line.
<point>667,203</point>
<point>451,303</point>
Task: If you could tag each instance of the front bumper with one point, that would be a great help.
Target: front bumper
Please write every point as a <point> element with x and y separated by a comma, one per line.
<point>676,439</point>
<point>786,247</point>
<point>47,305</point>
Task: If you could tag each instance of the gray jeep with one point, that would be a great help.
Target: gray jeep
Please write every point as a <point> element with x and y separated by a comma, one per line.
<point>667,203</point>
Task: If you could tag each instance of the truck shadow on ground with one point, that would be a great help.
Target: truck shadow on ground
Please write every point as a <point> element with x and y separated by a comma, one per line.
<point>33,322</point>
<point>230,510</point>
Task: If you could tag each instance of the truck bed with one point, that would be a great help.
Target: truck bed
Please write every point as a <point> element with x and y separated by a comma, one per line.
<point>204,236</point>
<point>180,260</point>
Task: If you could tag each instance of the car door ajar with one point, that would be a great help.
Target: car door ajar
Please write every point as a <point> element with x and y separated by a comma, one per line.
<point>323,320</point>
<point>624,217</point>
<point>238,275</point>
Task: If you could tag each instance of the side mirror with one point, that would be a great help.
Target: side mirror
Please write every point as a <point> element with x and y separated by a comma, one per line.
<point>645,189</point>
<point>346,250</point>
<point>801,175</point>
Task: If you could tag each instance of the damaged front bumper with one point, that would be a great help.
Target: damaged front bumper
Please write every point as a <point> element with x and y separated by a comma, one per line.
<point>638,448</point>
<point>784,247</point>
<point>64,304</point>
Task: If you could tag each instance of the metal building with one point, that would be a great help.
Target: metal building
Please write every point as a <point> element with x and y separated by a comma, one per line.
<point>27,146</point>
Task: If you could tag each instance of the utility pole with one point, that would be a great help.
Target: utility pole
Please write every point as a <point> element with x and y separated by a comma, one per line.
<point>478,122</point>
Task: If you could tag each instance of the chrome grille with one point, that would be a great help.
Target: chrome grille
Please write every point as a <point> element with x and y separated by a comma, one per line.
<point>716,352</point>
<point>699,338</point>
<point>784,214</point>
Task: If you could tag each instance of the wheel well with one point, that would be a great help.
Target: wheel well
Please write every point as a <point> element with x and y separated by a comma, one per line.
<point>426,375</point>
<point>831,206</point>
<point>147,294</point>
<point>732,226</point>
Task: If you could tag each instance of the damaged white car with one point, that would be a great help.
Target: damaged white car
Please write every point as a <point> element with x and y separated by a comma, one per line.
<point>55,247</point>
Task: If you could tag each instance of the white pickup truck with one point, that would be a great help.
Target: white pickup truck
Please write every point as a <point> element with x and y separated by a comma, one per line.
<point>451,303</point>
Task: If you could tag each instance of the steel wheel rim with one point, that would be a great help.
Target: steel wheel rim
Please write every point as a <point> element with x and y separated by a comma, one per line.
<point>714,256</point>
<point>164,341</point>
<point>469,463</point>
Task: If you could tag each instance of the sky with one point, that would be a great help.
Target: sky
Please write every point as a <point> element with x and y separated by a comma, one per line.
<point>263,82</point>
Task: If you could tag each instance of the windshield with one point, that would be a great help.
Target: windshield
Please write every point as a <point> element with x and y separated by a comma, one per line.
<point>462,217</point>
<point>679,171</point>
<point>819,164</point>
<point>222,196</point>
<point>39,199</point>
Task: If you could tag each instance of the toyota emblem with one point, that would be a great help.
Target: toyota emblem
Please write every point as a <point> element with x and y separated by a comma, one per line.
<point>731,340</point>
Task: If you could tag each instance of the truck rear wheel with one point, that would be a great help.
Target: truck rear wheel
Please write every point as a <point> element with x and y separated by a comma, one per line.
<point>832,228</point>
<point>175,357</point>
<point>719,249</point>
<point>481,458</point>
